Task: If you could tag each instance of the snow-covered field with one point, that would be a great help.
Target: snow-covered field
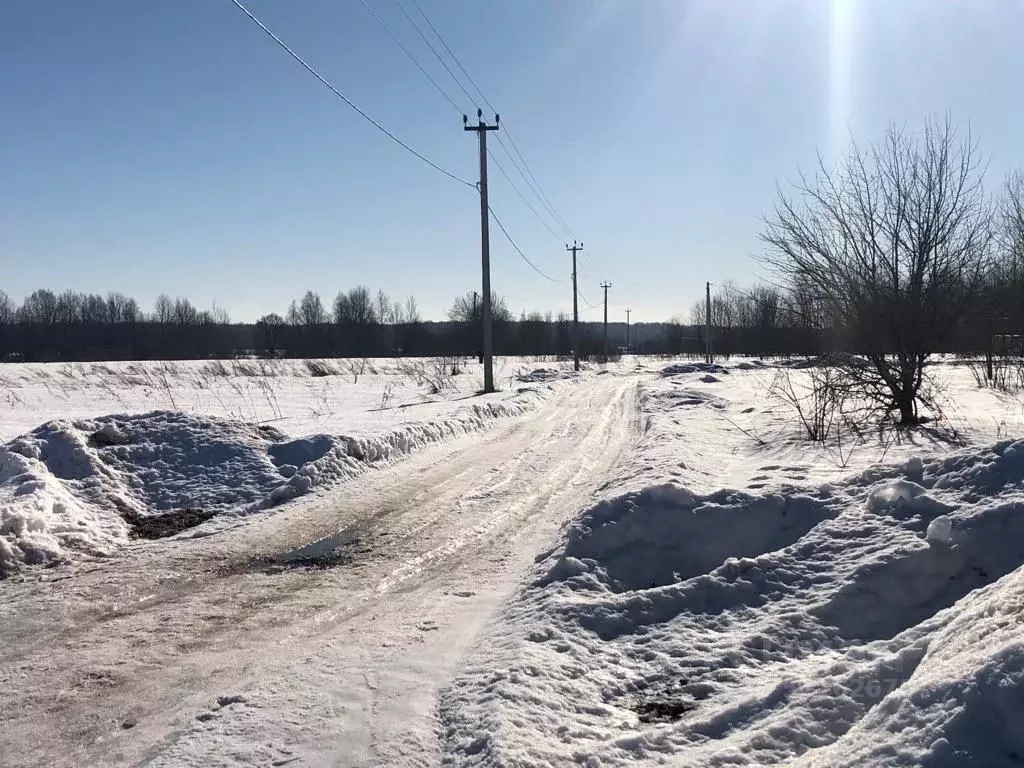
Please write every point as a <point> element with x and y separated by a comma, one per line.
<point>95,446</point>
<point>641,565</point>
<point>300,397</point>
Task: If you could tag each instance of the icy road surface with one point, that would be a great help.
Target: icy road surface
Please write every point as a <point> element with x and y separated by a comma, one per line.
<point>251,647</point>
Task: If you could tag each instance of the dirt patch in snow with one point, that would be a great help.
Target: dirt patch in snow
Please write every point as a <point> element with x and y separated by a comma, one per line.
<point>166,524</point>
<point>330,552</point>
<point>662,710</point>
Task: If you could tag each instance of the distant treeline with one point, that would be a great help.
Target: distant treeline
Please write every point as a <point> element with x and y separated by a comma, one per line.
<point>70,326</point>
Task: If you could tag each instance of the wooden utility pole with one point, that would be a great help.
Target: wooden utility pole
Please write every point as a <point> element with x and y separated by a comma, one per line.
<point>606,285</point>
<point>628,310</point>
<point>476,298</point>
<point>707,326</point>
<point>575,308</point>
<point>481,129</point>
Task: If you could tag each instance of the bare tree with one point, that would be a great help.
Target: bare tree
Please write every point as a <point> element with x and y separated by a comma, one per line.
<point>361,306</point>
<point>355,307</point>
<point>93,308</point>
<point>895,240</point>
<point>698,314</point>
<point>465,309</point>
<point>311,310</point>
<point>383,308</point>
<point>1011,215</point>
<point>69,306</point>
<point>219,315</point>
<point>273,319</point>
<point>184,312</point>
<point>163,310</point>
<point>1003,307</point>
<point>131,312</point>
<point>412,310</point>
<point>8,311</point>
<point>271,332</point>
<point>398,313</point>
<point>40,307</point>
<point>340,311</point>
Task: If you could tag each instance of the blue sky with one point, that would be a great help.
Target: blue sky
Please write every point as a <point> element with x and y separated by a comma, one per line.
<point>169,146</point>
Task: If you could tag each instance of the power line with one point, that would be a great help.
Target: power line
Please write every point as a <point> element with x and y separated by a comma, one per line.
<point>522,196</point>
<point>518,249</point>
<point>412,58</point>
<point>596,266</point>
<point>345,99</point>
<point>584,299</point>
<point>433,50</point>
<point>533,188</point>
<point>454,57</point>
<point>452,101</point>
<point>392,136</point>
<point>539,191</point>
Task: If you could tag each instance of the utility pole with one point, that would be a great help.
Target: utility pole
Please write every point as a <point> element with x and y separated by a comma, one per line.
<point>628,310</point>
<point>707,326</point>
<point>476,298</point>
<point>481,129</point>
<point>575,308</point>
<point>606,285</point>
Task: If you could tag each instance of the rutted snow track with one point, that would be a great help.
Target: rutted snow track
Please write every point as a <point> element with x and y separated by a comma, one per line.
<point>253,647</point>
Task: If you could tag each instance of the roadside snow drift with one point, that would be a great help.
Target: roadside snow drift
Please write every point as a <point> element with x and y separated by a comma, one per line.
<point>89,486</point>
<point>875,621</point>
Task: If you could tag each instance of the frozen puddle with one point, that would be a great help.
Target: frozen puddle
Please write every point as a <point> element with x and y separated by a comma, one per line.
<point>325,553</point>
<point>341,548</point>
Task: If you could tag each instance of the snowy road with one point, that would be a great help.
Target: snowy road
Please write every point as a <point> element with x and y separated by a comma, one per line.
<point>248,647</point>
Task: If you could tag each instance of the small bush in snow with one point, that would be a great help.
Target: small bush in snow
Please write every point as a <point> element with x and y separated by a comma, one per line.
<point>818,404</point>
<point>387,394</point>
<point>319,369</point>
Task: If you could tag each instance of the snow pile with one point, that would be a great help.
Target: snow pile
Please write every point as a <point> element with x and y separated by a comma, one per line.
<point>86,486</point>
<point>542,374</point>
<point>940,531</point>
<point>875,621</point>
<point>680,368</point>
<point>844,358</point>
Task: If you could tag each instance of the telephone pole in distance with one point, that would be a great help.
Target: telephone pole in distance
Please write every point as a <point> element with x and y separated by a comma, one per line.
<point>628,310</point>
<point>575,308</point>
<point>481,129</point>
<point>606,285</point>
<point>707,326</point>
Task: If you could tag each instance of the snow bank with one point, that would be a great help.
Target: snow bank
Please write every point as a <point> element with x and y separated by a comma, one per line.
<point>749,365</point>
<point>874,621</point>
<point>677,369</point>
<point>543,374</point>
<point>82,487</point>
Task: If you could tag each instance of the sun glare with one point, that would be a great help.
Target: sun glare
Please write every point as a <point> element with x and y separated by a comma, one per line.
<point>840,76</point>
